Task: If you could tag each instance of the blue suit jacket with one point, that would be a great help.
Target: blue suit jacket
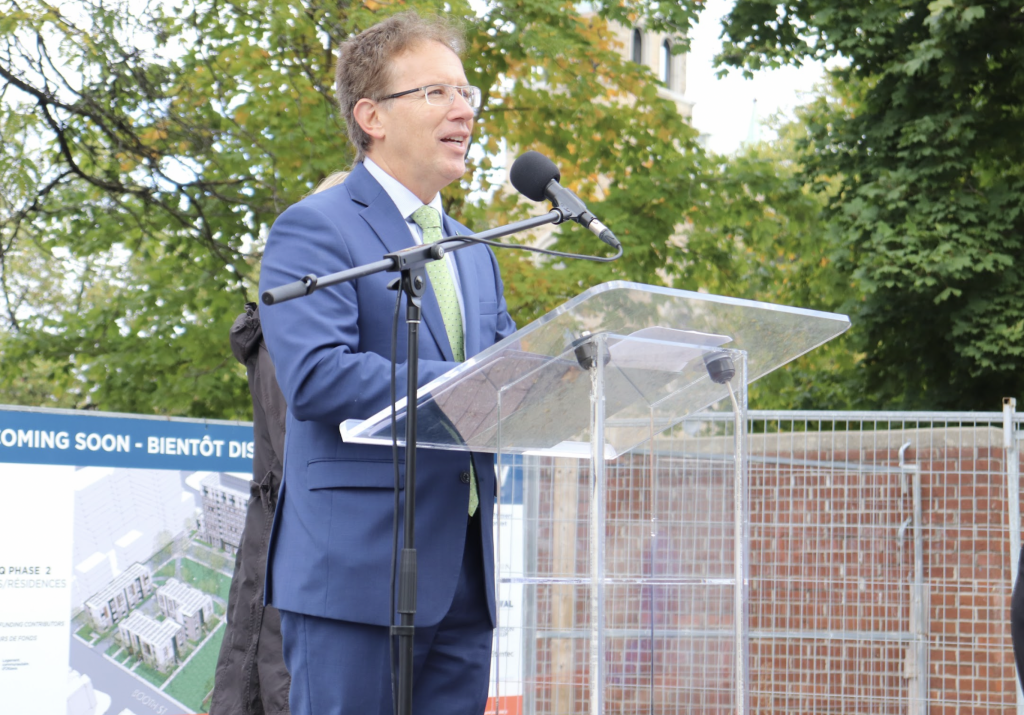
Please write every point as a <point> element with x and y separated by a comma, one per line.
<point>330,549</point>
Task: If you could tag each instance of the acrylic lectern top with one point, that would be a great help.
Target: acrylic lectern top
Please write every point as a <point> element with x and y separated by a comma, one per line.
<point>529,394</point>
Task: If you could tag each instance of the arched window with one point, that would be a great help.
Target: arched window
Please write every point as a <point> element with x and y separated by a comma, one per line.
<point>638,46</point>
<point>666,63</point>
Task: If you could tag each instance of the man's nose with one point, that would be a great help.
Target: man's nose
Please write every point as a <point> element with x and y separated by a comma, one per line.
<point>461,108</point>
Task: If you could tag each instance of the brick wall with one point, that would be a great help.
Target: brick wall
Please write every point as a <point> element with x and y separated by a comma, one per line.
<point>832,573</point>
<point>832,550</point>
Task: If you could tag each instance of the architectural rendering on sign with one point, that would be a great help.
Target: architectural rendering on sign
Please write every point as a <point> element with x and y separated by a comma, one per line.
<point>224,500</point>
<point>185,605</point>
<point>120,596</point>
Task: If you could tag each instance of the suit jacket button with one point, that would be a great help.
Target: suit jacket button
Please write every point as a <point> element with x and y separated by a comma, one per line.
<point>464,477</point>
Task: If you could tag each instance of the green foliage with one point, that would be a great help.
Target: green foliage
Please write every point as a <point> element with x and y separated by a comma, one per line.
<point>151,674</point>
<point>192,684</point>
<point>759,234</point>
<point>559,85</point>
<point>218,561</point>
<point>205,579</point>
<point>151,188</point>
<point>924,141</point>
<point>153,146</point>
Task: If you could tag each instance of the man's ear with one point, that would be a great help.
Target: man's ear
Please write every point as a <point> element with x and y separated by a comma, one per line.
<point>367,116</point>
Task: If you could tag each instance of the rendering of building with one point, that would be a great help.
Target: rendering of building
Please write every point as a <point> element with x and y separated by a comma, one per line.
<point>185,605</point>
<point>158,642</point>
<point>91,576</point>
<point>126,591</point>
<point>132,548</point>
<point>124,515</point>
<point>225,498</point>
<point>81,695</point>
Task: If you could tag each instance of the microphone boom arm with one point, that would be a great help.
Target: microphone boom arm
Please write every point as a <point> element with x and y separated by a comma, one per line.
<point>408,257</point>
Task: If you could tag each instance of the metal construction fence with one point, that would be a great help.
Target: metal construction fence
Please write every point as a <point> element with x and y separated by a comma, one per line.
<point>881,562</point>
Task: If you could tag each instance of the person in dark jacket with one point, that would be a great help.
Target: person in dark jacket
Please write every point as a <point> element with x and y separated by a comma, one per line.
<point>1017,619</point>
<point>251,677</point>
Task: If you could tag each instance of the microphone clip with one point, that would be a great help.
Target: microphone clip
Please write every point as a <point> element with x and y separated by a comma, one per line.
<point>567,203</point>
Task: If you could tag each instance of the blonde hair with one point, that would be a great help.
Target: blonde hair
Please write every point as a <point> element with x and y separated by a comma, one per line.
<point>334,179</point>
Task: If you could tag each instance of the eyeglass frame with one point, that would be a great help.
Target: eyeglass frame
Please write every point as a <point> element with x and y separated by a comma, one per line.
<point>453,90</point>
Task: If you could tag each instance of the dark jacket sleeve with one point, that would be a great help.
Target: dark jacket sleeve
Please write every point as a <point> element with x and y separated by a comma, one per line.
<point>250,676</point>
<point>267,392</point>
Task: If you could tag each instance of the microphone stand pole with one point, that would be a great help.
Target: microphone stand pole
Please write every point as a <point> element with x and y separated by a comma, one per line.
<point>414,284</point>
<point>411,263</point>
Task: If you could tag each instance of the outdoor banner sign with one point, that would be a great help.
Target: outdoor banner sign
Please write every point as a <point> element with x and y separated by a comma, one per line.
<point>117,546</point>
<point>113,578</point>
<point>505,694</point>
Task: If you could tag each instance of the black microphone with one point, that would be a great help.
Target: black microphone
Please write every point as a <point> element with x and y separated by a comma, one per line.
<point>536,177</point>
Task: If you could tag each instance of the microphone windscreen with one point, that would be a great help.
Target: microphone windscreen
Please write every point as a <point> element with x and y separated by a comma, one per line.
<point>531,173</point>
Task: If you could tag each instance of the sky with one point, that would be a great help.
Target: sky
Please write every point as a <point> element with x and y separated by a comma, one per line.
<point>723,107</point>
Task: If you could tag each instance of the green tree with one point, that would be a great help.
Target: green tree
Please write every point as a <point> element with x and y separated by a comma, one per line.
<point>166,138</point>
<point>924,141</point>
<point>154,169</point>
<point>28,281</point>
<point>760,234</point>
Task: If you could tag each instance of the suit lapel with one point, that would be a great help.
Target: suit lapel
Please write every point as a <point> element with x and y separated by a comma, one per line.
<point>468,271</point>
<point>387,223</point>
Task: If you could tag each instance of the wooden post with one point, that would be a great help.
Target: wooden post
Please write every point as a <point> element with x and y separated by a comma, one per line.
<point>563,596</point>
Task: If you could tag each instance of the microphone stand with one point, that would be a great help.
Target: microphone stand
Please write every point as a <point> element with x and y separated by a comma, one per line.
<point>408,258</point>
<point>411,263</point>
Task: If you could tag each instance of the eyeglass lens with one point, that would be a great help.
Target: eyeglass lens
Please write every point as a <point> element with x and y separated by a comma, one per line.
<point>445,94</point>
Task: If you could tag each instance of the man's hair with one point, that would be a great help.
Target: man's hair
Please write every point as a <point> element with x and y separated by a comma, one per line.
<point>364,63</point>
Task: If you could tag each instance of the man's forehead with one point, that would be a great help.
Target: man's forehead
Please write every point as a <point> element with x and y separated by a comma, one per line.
<point>430,61</point>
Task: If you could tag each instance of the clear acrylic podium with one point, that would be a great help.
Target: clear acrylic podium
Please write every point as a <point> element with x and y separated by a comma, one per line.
<point>621,543</point>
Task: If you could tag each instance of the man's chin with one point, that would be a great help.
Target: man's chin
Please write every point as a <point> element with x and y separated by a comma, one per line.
<point>455,171</point>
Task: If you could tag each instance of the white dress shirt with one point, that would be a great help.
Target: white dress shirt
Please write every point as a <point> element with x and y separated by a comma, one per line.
<point>407,202</point>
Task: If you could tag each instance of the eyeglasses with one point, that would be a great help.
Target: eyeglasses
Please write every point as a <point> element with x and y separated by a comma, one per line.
<point>441,95</point>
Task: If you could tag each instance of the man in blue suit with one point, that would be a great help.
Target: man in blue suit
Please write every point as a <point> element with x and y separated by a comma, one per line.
<point>404,95</point>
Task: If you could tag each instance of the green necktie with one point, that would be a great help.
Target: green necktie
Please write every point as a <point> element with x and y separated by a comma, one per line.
<point>428,219</point>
